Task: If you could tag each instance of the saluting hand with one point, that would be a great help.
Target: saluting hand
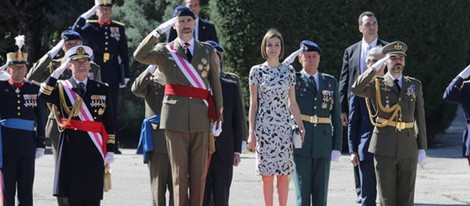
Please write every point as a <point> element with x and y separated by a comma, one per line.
<point>90,12</point>
<point>56,73</point>
<point>164,27</point>
<point>465,72</point>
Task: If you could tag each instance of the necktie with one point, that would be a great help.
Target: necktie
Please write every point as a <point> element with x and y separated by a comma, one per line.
<point>186,46</point>
<point>314,84</point>
<point>81,88</point>
<point>397,84</point>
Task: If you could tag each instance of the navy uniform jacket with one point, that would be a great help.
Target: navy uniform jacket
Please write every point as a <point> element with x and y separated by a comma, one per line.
<point>320,139</point>
<point>206,32</point>
<point>234,123</point>
<point>80,166</point>
<point>458,91</point>
<point>350,70</point>
<point>359,128</point>
<point>104,40</point>
<point>23,105</point>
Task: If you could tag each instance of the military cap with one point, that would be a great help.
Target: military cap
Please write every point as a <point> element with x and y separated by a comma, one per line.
<point>104,2</point>
<point>310,46</point>
<point>183,11</point>
<point>215,45</point>
<point>396,47</point>
<point>78,52</point>
<point>18,57</point>
<point>70,35</point>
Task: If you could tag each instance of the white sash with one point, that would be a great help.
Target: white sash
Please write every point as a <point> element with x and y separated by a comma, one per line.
<point>187,68</point>
<point>84,115</point>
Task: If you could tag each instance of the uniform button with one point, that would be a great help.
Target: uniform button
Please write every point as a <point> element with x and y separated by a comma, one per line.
<point>106,48</point>
<point>315,98</point>
<point>19,113</point>
<point>19,107</point>
<point>399,99</point>
<point>190,97</point>
<point>96,110</point>
<point>106,43</point>
<point>106,37</point>
<point>315,107</point>
<point>19,102</point>
<point>94,117</point>
<point>18,96</point>
<point>75,129</point>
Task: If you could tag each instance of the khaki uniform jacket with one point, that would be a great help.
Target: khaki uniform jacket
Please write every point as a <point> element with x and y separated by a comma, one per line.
<point>388,141</point>
<point>144,86</point>
<point>182,113</point>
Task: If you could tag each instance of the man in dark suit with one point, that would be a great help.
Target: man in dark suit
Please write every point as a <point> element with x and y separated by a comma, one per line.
<point>458,91</point>
<point>204,30</point>
<point>150,85</point>
<point>108,40</point>
<point>87,139</point>
<point>398,140</point>
<point>22,119</point>
<point>359,133</point>
<point>228,143</point>
<point>189,108</point>
<point>354,64</point>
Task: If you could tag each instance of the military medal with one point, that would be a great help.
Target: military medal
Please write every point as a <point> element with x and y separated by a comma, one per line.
<point>204,74</point>
<point>106,56</point>
<point>324,105</point>
<point>17,90</point>
<point>387,104</point>
<point>100,111</point>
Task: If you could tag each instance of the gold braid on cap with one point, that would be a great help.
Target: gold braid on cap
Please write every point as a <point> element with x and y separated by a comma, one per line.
<point>63,106</point>
<point>395,109</point>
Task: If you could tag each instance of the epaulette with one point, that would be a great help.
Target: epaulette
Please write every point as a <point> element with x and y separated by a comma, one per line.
<point>412,79</point>
<point>92,21</point>
<point>118,22</point>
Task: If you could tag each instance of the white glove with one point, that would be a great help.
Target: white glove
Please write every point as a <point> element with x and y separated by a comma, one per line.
<point>335,155</point>
<point>51,53</point>
<point>164,27</point>
<point>56,73</point>
<point>4,67</point>
<point>217,128</point>
<point>40,152</point>
<point>109,158</point>
<point>126,80</point>
<point>377,65</point>
<point>421,155</point>
<point>465,72</point>
<point>90,12</point>
<point>294,55</point>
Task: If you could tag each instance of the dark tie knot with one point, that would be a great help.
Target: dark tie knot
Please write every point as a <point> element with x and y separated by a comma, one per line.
<point>81,88</point>
<point>186,45</point>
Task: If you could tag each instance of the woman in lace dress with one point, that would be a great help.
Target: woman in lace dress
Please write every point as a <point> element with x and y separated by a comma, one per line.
<point>272,101</point>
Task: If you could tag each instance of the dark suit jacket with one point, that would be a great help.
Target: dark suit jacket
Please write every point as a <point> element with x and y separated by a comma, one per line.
<point>153,93</point>
<point>458,91</point>
<point>350,71</point>
<point>230,139</point>
<point>359,128</point>
<point>206,32</point>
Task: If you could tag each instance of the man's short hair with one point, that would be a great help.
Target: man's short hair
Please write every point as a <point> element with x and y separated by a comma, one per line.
<point>366,13</point>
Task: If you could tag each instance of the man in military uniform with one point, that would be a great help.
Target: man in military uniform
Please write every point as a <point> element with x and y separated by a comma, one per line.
<point>458,91</point>
<point>109,43</point>
<point>228,145</point>
<point>322,121</point>
<point>87,139</point>
<point>150,85</point>
<point>22,118</point>
<point>43,69</point>
<point>189,108</point>
<point>399,137</point>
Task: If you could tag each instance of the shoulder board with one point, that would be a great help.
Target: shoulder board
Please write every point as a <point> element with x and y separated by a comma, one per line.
<point>118,22</point>
<point>94,64</point>
<point>412,79</point>
<point>92,21</point>
<point>329,76</point>
<point>231,75</point>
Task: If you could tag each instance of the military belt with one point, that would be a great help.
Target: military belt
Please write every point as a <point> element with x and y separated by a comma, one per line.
<point>398,125</point>
<point>316,120</point>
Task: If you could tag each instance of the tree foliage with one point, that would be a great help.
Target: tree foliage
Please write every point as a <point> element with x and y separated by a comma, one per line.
<point>437,39</point>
